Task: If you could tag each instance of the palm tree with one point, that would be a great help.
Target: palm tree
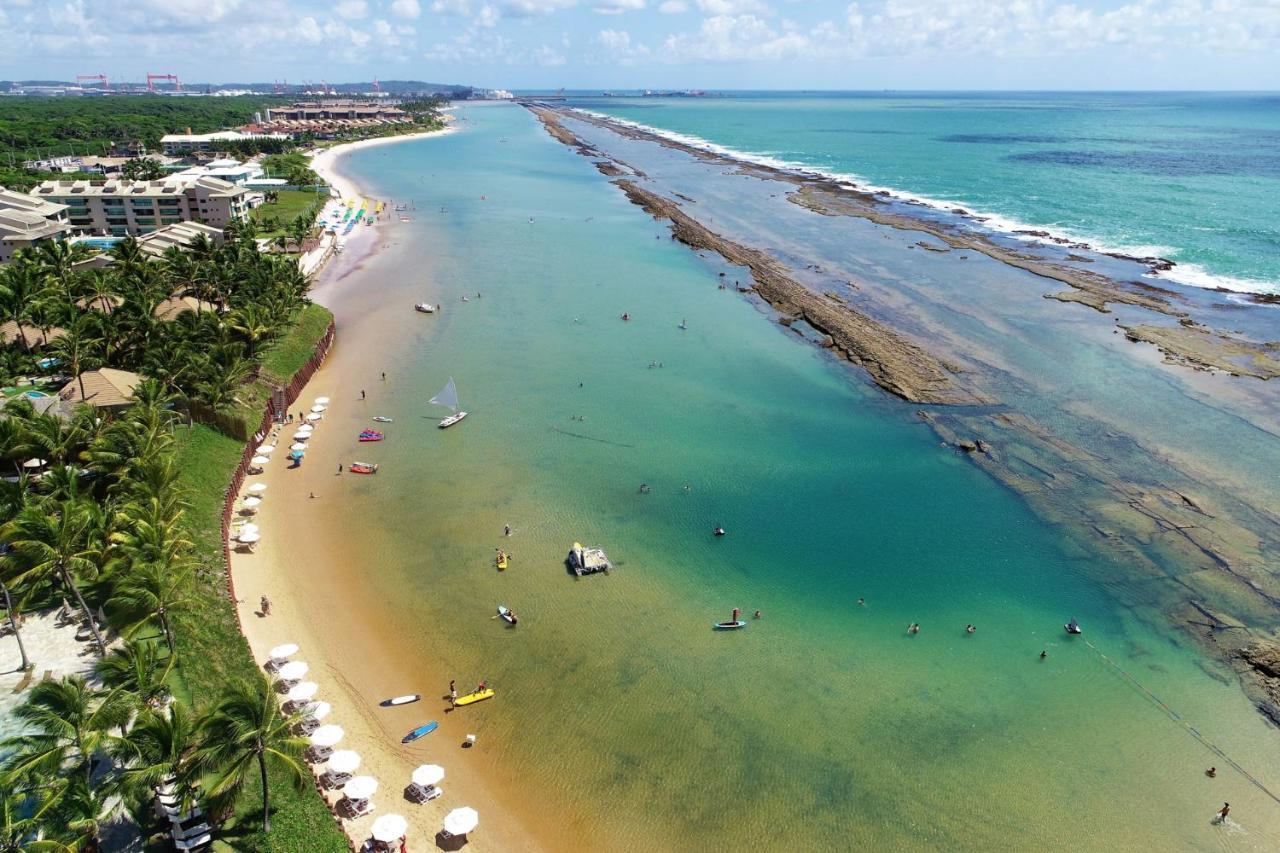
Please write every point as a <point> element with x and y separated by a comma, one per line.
<point>21,288</point>
<point>244,732</point>
<point>153,750</point>
<point>66,724</point>
<point>299,230</point>
<point>251,324</point>
<point>138,670</point>
<point>54,541</point>
<point>75,348</point>
<point>153,591</point>
<point>27,665</point>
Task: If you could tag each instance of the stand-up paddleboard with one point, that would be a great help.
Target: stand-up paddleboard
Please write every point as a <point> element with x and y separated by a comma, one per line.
<point>502,561</point>
<point>382,420</point>
<point>400,700</point>
<point>507,615</point>
<point>732,625</point>
<point>420,731</point>
<point>478,696</point>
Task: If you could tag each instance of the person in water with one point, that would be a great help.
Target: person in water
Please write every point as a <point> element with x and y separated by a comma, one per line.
<point>1043,654</point>
<point>757,614</point>
<point>913,628</point>
<point>969,629</point>
<point>506,530</point>
<point>1223,812</point>
<point>1212,772</point>
<point>862,601</point>
<point>514,618</point>
<point>719,531</point>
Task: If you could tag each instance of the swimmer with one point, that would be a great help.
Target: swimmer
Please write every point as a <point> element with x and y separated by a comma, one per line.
<point>969,629</point>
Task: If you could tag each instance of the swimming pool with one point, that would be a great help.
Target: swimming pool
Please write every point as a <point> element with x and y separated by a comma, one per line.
<point>103,243</point>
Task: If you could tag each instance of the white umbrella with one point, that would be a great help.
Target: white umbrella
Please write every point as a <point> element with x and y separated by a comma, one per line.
<point>259,460</point>
<point>317,710</point>
<point>314,416</point>
<point>283,651</point>
<point>293,671</point>
<point>322,401</point>
<point>251,502</point>
<point>257,488</point>
<point>428,774</point>
<point>389,828</point>
<point>249,538</point>
<point>327,735</point>
<point>306,428</point>
<point>34,463</point>
<point>461,821</point>
<point>249,528</point>
<point>266,448</point>
<point>359,788</point>
<point>297,445</point>
<point>302,692</point>
<point>318,408</point>
<point>301,436</point>
<point>344,761</point>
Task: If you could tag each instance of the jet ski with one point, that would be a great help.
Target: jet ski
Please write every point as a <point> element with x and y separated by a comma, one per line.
<point>1073,627</point>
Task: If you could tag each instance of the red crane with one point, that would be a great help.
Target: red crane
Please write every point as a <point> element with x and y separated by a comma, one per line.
<point>376,86</point>
<point>172,78</point>
<point>101,78</point>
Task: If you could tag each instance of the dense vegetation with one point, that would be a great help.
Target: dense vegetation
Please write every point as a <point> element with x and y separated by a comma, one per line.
<point>122,524</point>
<point>44,127</point>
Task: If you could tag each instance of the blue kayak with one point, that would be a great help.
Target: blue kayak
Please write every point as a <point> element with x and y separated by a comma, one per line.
<point>420,731</point>
<point>730,626</point>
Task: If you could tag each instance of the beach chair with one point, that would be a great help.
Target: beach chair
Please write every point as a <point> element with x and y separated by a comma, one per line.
<point>353,809</point>
<point>194,831</point>
<point>306,727</point>
<point>318,754</point>
<point>333,779</point>
<point>187,844</point>
<point>420,794</point>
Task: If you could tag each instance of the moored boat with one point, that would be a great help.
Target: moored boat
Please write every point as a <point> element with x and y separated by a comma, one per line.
<point>731,625</point>
<point>363,468</point>
<point>370,435</point>
<point>507,615</point>
<point>425,308</point>
<point>448,396</point>
<point>382,419</point>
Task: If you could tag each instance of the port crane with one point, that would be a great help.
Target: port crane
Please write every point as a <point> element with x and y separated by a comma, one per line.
<point>101,78</point>
<point>172,78</point>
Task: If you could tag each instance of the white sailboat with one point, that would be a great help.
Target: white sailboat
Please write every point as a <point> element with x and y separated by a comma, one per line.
<point>448,396</point>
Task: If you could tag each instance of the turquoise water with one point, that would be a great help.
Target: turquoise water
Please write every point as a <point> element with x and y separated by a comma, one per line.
<point>1193,177</point>
<point>823,725</point>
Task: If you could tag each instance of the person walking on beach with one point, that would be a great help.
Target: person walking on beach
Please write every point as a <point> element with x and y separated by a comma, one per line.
<point>265,605</point>
<point>361,393</point>
<point>384,376</point>
<point>339,467</point>
<point>1222,814</point>
<point>453,693</point>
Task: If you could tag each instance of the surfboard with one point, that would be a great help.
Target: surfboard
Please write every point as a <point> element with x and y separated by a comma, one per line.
<point>505,614</point>
<point>400,700</point>
<point>420,731</point>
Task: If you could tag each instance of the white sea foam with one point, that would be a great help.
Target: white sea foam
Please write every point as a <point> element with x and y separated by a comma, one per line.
<point>1189,274</point>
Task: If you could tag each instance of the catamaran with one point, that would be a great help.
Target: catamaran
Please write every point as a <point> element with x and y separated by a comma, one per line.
<point>449,397</point>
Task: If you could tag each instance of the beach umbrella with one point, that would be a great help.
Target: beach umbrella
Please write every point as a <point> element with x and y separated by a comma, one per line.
<point>389,828</point>
<point>359,788</point>
<point>249,528</point>
<point>461,821</point>
<point>344,761</point>
<point>314,416</point>
<point>297,454</point>
<point>249,538</point>
<point>283,651</point>
<point>428,774</point>
<point>327,735</point>
<point>317,710</point>
<point>259,460</point>
<point>318,408</point>
<point>301,436</point>
<point>322,401</point>
<point>297,445</point>
<point>257,488</point>
<point>302,692</point>
<point>34,463</point>
<point>266,448</point>
<point>293,670</point>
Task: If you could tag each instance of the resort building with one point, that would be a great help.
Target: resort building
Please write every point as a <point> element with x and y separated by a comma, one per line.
<point>225,169</point>
<point>180,234</point>
<point>175,306</point>
<point>29,337</point>
<point>185,143</point>
<point>121,208</point>
<point>329,110</point>
<point>28,221</point>
<point>106,388</point>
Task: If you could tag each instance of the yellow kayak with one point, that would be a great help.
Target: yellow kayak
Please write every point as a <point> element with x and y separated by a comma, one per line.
<point>478,696</point>
<point>502,561</point>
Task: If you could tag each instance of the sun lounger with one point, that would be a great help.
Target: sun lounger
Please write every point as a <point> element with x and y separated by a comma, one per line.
<point>177,815</point>
<point>420,794</point>
<point>194,831</point>
<point>193,843</point>
<point>330,779</point>
<point>353,809</point>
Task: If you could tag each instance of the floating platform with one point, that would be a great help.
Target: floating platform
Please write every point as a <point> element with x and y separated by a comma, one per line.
<point>587,561</point>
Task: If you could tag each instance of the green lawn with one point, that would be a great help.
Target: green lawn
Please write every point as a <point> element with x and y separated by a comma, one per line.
<point>289,205</point>
<point>287,355</point>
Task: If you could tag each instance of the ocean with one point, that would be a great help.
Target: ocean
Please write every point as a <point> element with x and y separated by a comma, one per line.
<point>622,720</point>
<point>1192,177</point>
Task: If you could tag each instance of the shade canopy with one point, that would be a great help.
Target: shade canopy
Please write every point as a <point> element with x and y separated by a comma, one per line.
<point>322,401</point>
<point>318,407</point>
<point>302,692</point>
<point>389,828</point>
<point>317,710</point>
<point>257,488</point>
<point>461,821</point>
<point>314,416</point>
<point>249,538</point>
<point>327,735</point>
<point>266,448</point>
<point>359,788</point>
<point>428,774</point>
<point>259,460</point>
<point>293,670</point>
<point>344,761</point>
<point>284,650</point>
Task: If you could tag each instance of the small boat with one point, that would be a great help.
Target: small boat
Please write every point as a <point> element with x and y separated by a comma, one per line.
<point>719,531</point>
<point>400,700</point>
<point>731,625</point>
<point>420,731</point>
<point>684,324</point>
<point>425,308</point>
<point>370,435</point>
<point>382,419</point>
<point>478,696</point>
<point>448,396</point>
<point>1073,627</point>
<point>502,560</point>
<point>363,468</point>
<point>507,615</point>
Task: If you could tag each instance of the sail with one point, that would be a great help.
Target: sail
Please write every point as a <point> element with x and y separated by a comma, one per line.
<point>448,396</point>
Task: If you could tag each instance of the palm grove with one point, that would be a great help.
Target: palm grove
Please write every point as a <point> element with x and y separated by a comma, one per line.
<point>101,531</point>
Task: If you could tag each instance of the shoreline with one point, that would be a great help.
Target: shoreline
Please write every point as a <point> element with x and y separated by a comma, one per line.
<point>325,163</point>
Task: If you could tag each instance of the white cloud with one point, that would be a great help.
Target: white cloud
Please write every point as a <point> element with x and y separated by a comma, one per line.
<point>352,9</point>
<point>732,7</point>
<point>673,7</point>
<point>488,16</point>
<point>408,9</point>
<point>531,8</point>
<point>309,30</point>
<point>617,7</point>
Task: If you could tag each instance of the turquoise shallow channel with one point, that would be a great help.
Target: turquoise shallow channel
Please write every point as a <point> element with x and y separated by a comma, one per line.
<point>822,725</point>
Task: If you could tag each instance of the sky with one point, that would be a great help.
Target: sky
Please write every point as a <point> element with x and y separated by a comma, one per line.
<point>616,44</point>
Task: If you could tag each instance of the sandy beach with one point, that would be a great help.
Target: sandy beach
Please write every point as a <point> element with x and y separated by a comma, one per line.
<point>325,164</point>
